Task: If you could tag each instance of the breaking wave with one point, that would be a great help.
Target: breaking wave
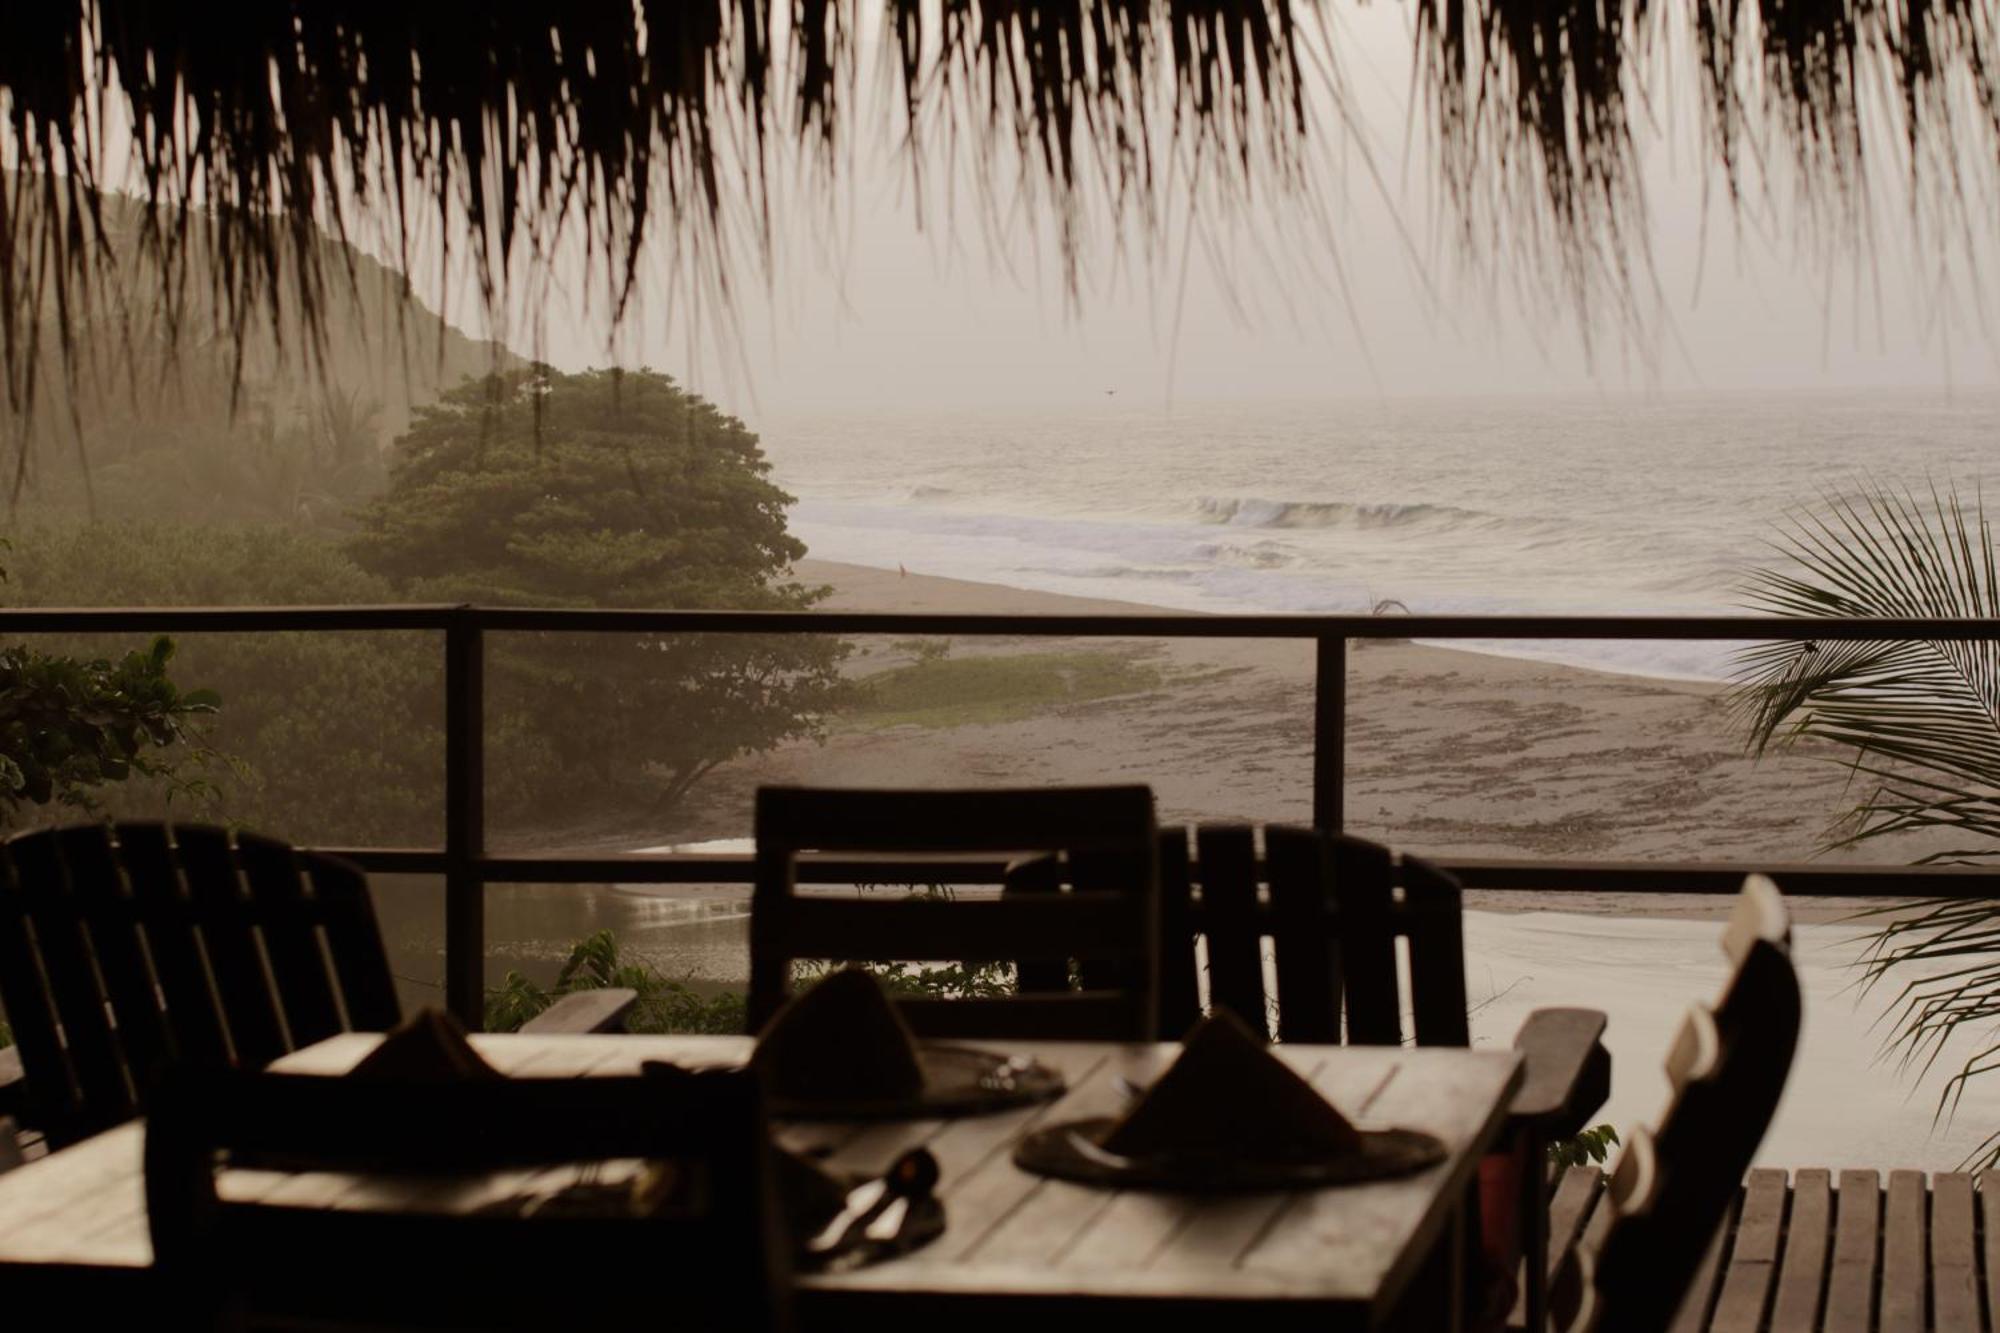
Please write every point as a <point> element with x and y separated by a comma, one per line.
<point>1246,512</point>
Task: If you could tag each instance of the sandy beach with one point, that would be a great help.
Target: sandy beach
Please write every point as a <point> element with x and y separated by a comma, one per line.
<point>1449,752</point>
<point>1470,754</point>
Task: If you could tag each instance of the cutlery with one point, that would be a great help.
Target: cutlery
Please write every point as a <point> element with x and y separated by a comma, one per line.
<point>887,1222</point>
<point>877,1208</point>
<point>862,1201</point>
<point>913,1177</point>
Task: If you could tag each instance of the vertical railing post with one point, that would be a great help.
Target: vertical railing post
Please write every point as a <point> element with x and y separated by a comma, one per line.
<point>1330,734</point>
<point>464,819</point>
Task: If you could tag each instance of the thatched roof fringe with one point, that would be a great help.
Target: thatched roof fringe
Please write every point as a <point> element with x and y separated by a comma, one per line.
<point>256,124</point>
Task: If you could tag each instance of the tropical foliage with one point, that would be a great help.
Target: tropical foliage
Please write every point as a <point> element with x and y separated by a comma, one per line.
<point>606,489</point>
<point>667,1005</point>
<point>937,690</point>
<point>594,963</point>
<point>634,494</point>
<point>332,738</point>
<point>69,726</point>
<point>1921,717</point>
<point>1920,723</point>
<point>1590,1147</point>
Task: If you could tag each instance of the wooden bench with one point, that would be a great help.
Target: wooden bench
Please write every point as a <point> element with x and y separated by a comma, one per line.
<point>1826,1251</point>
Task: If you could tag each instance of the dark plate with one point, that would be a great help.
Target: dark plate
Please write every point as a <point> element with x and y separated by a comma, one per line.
<point>1070,1152</point>
<point>958,1081</point>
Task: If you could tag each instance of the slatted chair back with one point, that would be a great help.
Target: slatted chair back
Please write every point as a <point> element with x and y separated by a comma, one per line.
<point>1335,908</point>
<point>1085,936</point>
<point>409,1251</point>
<point>1727,1066</point>
<point>127,950</point>
<point>1758,917</point>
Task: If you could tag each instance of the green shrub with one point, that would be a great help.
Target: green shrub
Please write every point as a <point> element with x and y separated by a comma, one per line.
<point>667,1005</point>
<point>333,738</point>
<point>535,489</point>
<point>1589,1148</point>
<point>664,1005</point>
<point>940,691</point>
<point>69,727</point>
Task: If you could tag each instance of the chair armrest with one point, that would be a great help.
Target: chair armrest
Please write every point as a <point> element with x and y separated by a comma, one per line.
<point>1567,1075</point>
<point>11,1155</point>
<point>13,1090</point>
<point>13,1082</point>
<point>585,1011</point>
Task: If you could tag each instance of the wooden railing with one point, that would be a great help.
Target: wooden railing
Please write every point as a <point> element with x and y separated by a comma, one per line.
<point>467,867</point>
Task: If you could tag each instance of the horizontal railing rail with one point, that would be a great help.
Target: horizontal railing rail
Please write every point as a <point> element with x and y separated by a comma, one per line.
<point>1501,874</point>
<point>468,868</point>
<point>1162,625</point>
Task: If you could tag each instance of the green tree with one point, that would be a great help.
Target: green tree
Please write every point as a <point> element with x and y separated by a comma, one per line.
<point>606,489</point>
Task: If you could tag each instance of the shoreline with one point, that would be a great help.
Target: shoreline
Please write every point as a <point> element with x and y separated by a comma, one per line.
<point>865,588</point>
<point>1450,752</point>
<point>869,588</point>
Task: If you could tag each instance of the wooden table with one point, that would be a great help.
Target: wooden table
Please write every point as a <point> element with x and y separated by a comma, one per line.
<point>1017,1245</point>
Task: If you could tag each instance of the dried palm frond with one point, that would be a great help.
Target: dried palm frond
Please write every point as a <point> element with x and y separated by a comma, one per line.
<point>253,129</point>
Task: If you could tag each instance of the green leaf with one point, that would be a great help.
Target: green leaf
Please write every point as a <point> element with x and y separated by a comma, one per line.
<point>1920,722</point>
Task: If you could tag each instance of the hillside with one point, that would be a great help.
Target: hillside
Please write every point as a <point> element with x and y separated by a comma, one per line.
<point>130,429</point>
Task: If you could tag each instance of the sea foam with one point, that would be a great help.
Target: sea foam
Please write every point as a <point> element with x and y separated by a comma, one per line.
<point>1576,507</point>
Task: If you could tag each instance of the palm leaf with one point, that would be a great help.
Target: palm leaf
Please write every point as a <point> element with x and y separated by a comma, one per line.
<point>1920,722</point>
<point>1930,705</point>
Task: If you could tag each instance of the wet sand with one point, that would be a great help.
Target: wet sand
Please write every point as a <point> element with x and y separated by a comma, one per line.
<point>1449,752</point>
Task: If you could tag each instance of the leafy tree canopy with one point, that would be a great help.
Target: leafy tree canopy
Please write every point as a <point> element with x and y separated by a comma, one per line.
<point>607,488</point>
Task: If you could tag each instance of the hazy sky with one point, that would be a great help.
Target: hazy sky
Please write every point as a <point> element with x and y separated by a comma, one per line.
<point>864,309</point>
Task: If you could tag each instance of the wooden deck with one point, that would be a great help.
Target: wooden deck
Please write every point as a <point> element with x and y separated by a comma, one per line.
<point>1826,1251</point>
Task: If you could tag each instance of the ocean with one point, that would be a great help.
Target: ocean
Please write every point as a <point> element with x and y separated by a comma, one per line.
<point>1552,505</point>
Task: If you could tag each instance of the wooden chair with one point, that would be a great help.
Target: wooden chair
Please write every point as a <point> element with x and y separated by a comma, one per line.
<point>1335,909</point>
<point>1821,1248</point>
<point>411,1256</point>
<point>130,950</point>
<point>1674,1187</point>
<point>1097,902</point>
